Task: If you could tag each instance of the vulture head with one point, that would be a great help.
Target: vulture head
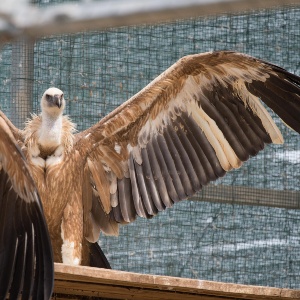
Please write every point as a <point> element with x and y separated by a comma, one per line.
<point>53,101</point>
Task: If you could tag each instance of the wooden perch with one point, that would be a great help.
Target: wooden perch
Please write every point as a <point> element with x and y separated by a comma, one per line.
<point>71,282</point>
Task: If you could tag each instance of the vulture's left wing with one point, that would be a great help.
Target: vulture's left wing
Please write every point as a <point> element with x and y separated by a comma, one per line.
<point>196,121</point>
<point>26,262</point>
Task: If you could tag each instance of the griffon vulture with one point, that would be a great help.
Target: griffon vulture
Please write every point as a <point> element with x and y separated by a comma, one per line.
<point>199,119</point>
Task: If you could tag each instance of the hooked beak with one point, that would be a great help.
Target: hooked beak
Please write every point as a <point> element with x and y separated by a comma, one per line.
<point>57,100</point>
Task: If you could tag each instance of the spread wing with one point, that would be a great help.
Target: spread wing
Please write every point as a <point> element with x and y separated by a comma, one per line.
<point>196,121</point>
<point>26,263</point>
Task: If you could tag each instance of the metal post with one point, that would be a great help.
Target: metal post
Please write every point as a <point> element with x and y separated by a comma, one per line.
<point>22,73</point>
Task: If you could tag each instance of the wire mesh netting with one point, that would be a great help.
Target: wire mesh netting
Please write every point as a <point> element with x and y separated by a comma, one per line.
<point>215,236</point>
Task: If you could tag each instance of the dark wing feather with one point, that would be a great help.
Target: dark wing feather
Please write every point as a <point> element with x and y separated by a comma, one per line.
<point>196,121</point>
<point>26,262</point>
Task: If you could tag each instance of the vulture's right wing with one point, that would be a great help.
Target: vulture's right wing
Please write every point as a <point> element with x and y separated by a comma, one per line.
<point>26,262</point>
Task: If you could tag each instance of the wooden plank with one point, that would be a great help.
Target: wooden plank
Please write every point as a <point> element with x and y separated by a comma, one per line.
<point>72,281</point>
<point>249,196</point>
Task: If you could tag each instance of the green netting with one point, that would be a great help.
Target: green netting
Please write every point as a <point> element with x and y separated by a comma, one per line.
<point>229,241</point>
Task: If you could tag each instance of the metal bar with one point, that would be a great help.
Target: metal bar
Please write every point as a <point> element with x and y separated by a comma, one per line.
<point>249,196</point>
<point>35,22</point>
<point>22,81</point>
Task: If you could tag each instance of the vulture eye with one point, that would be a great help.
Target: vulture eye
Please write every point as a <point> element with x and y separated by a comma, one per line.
<point>48,97</point>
